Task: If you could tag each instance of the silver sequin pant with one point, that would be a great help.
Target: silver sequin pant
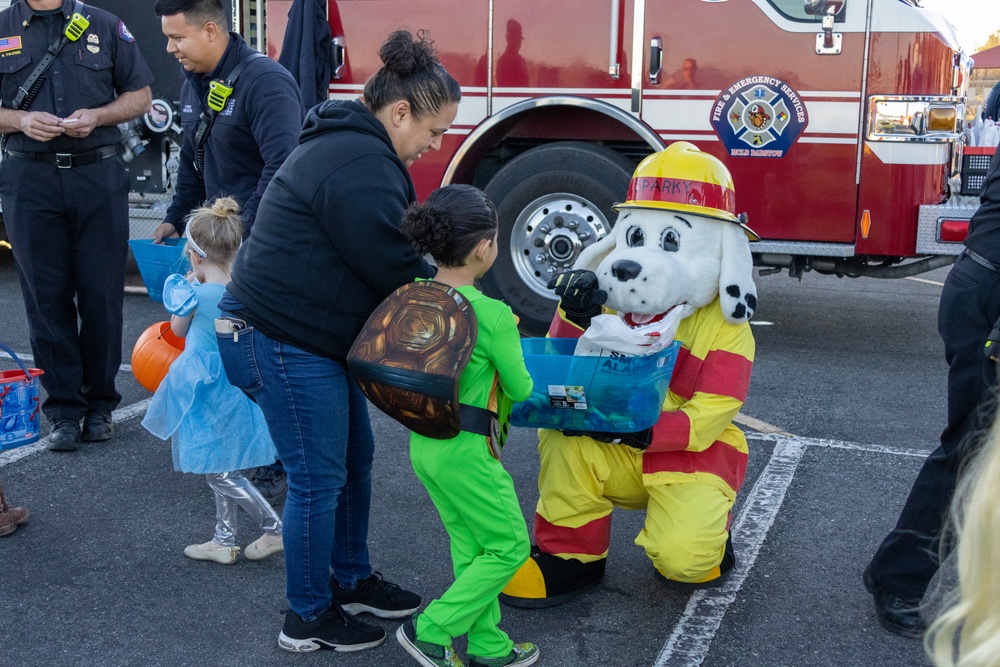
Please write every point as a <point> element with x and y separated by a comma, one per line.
<point>232,490</point>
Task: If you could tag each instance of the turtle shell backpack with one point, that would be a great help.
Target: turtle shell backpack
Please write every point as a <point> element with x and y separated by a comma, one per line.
<point>409,356</point>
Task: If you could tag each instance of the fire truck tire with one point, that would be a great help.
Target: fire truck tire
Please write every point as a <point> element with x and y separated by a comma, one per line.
<point>552,201</point>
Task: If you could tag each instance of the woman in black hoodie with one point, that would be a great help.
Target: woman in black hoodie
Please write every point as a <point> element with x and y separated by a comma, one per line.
<point>324,251</point>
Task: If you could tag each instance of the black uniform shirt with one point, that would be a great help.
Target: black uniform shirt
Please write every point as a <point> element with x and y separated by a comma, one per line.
<point>984,228</point>
<point>88,73</point>
<point>253,134</point>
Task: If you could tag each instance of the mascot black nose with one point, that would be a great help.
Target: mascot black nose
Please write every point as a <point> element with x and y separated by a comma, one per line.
<point>625,270</point>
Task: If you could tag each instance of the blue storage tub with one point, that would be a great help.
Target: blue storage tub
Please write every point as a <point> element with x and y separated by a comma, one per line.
<point>157,261</point>
<point>621,394</point>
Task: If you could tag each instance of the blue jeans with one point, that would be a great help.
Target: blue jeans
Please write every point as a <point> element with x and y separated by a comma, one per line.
<point>318,419</point>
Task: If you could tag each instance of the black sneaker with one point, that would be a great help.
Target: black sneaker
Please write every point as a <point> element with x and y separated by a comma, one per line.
<point>376,596</point>
<point>334,629</point>
<point>65,436</point>
<point>272,484</point>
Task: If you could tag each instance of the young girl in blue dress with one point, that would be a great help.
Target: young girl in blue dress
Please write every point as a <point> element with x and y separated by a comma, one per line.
<point>213,427</point>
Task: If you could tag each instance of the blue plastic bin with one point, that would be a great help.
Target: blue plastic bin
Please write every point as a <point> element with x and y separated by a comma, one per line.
<point>157,261</point>
<point>621,394</point>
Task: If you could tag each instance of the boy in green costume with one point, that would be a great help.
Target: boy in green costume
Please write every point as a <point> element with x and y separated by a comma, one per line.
<point>472,492</point>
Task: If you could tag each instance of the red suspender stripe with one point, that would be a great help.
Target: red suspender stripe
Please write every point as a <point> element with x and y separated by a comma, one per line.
<point>563,328</point>
<point>722,373</point>
<point>680,191</point>
<point>591,538</point>
<point>720,459</point>
<point>725,374</point>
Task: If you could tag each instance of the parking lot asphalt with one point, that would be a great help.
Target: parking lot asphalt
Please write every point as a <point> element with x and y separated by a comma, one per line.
<point>847,396</point>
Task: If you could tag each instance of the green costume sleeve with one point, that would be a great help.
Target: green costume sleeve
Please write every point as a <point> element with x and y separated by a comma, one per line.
<point>507,357</point>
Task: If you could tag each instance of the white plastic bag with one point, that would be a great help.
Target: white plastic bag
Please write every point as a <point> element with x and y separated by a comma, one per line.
<point>610,333</point>
<point>974,131</point>
<point>991,134</point>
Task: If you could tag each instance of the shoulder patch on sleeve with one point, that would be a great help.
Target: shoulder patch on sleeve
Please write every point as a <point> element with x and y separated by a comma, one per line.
<point>124,34</point>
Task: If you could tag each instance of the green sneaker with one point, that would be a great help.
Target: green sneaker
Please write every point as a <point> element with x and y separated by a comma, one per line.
<point>520,656</point>
<point>426,653</point>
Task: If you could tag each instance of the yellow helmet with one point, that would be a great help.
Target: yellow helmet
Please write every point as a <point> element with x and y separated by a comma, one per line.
<point>683,178</point>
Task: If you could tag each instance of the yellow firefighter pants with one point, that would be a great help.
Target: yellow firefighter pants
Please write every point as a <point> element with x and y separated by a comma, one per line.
<point>582,480</point>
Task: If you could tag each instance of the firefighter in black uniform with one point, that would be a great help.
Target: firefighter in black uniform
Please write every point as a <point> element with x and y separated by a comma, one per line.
<point>64,192</point>
<point>910,555</point>
<point>255,128</point>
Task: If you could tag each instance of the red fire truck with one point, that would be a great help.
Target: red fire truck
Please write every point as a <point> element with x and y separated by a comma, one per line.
<point>840,120</point>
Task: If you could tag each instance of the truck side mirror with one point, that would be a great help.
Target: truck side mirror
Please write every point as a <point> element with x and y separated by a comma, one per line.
<point>824,7</point>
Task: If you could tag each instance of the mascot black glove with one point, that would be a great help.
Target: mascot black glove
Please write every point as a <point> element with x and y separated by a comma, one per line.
<point>639,440</point>
<point>581,296</point>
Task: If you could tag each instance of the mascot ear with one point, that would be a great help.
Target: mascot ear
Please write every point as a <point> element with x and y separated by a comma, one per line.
<point>592,256</point>
<point>737,293</point>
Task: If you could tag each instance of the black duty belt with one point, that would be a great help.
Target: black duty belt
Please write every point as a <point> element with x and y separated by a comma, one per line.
<point>67,160</point>
<point>982,261</point>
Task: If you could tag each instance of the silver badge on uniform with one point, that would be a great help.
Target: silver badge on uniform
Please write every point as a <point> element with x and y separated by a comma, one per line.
<point>93,39</point>
<point>93,49</point>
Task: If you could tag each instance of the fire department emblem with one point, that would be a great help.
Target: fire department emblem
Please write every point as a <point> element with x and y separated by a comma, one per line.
<point>759,116</point>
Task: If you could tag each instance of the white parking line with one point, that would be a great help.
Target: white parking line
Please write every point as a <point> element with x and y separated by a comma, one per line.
<point>120,415</point>
<point>692,636</point>
<point>689,643</point>
<point>853,446</point>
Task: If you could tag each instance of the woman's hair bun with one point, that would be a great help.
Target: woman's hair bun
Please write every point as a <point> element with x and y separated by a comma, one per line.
<point>402,56</point>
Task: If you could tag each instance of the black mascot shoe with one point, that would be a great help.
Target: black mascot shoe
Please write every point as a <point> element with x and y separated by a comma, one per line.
<point>546,580</point>
<point>715,578</point>
<point>898,616</point>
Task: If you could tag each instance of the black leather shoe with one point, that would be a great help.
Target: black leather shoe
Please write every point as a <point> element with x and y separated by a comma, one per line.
<point>898,616</point>
<point>97,426</point>
<point>65,436</point>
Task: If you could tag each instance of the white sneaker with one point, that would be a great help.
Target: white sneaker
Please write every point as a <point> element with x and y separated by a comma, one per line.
<point>264,546</point>
<point>212,551</point>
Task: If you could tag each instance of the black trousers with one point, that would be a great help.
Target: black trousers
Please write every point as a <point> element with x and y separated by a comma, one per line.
<point>911,554</point>
<point>69,232</point>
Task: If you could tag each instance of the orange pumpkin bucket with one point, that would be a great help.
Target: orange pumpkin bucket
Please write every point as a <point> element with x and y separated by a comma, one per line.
<point>153,353</point>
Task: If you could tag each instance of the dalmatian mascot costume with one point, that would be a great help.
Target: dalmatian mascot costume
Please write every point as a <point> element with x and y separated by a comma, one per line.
<point>677,243</point>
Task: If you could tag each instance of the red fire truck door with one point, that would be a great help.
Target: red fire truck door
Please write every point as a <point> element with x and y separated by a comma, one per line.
<point>743,80</point>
